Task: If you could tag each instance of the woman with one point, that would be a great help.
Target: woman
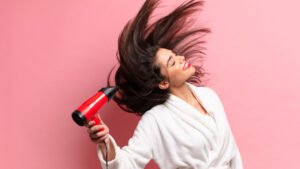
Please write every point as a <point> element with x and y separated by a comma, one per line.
<point>182,125</point>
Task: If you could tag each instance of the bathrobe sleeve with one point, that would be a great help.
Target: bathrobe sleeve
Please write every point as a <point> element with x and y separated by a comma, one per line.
<point>138,152</point>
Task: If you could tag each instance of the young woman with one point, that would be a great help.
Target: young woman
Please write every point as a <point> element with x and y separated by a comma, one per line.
<point>183,124</point>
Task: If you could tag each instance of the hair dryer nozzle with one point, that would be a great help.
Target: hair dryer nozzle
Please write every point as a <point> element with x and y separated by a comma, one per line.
<point>78,118</point>
<point>109,91</point>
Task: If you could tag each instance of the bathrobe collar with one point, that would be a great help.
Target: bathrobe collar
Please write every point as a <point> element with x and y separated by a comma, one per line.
<point>188,110</point>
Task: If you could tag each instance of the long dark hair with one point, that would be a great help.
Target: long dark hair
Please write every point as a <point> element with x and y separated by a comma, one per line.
<point>137,76</point>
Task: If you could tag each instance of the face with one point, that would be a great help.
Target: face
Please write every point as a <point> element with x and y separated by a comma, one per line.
<point>173,67</point>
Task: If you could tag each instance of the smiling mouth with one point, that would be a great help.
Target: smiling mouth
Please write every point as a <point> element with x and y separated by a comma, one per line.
<point>186,65</point>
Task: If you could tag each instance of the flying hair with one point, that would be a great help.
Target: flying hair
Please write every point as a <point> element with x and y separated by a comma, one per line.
<point>137,76</point>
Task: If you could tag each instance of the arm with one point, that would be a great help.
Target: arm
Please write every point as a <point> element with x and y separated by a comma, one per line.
<point>137,153</point>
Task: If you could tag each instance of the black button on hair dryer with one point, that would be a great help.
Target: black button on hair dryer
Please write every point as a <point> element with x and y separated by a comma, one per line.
<point>87,111</point>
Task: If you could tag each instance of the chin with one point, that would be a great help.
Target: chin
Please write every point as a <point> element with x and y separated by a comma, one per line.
<point>190,74</point>
<point>193,70</point>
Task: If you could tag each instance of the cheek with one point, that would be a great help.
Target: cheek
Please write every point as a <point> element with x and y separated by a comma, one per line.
<point>193,70</point>
<point>176,75</point>
<point>163,71</point>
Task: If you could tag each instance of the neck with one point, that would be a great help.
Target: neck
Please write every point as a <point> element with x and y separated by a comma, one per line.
<point>183,92</point>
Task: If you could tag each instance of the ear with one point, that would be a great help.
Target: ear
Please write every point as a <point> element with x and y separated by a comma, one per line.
<point>163,85</point>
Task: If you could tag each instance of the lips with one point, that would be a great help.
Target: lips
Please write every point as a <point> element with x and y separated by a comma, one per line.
<point>186,65</point>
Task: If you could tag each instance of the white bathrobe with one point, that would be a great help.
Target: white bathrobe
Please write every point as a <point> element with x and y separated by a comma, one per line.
<point>177,136</point>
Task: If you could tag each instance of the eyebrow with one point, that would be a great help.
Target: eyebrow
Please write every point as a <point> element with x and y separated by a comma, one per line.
<point>169,60</point>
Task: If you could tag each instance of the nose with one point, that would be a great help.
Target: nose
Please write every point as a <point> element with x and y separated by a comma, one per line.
<point>181,59</point>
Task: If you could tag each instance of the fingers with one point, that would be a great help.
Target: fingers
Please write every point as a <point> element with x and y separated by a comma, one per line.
<point>96,128</point>
<point>90,124</point>
<point>99,137</point>
<point>97,133</point>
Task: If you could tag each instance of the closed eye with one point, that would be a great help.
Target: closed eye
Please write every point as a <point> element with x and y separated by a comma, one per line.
<point>174,60</point>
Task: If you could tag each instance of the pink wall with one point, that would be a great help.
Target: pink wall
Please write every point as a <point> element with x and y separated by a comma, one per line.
<point>55,54</point>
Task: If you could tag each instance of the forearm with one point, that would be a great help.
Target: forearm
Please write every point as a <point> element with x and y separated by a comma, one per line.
<point>109,150</point>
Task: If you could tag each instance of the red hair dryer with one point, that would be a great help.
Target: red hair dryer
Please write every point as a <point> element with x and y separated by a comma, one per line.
<point>87,111</point>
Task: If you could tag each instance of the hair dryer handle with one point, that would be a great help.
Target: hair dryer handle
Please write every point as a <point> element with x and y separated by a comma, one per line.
<point>97,121</point>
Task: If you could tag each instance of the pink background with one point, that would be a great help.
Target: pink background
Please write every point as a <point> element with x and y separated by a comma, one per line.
<point>56,54</point>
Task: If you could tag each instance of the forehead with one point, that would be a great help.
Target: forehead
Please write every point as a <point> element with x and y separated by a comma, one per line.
<point>162,56</point>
